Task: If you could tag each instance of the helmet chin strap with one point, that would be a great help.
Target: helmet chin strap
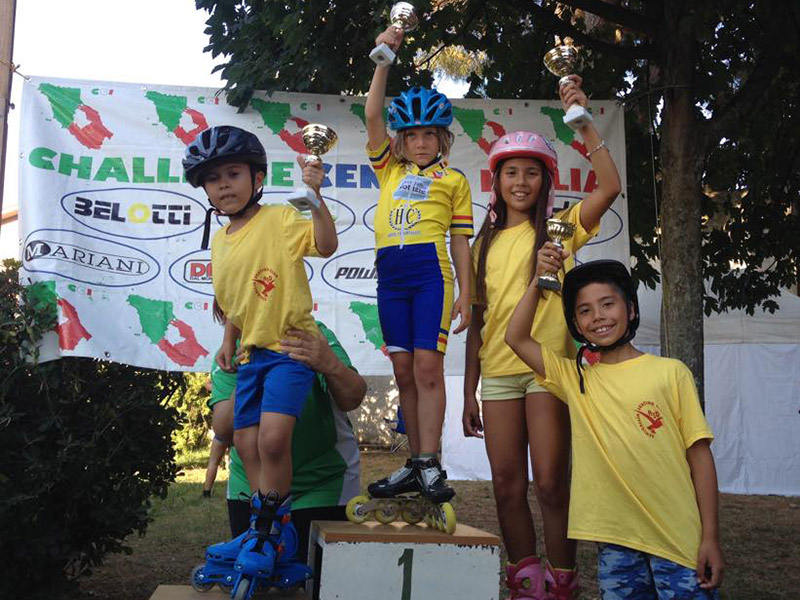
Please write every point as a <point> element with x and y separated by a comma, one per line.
<point>210,211</point>
<point>626,337</point>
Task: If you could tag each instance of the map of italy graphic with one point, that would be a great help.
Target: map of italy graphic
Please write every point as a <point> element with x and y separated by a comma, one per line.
<point>66,103</point>
<point>155,318</point>
<point>275,116</point>
<point>475,124</point>
<point>69,329</point>
<point>367,314</point>
<point>171,108</point>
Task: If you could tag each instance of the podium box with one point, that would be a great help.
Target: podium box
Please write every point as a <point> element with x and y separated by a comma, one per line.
<point>390,562</point>
<point>402,562</point>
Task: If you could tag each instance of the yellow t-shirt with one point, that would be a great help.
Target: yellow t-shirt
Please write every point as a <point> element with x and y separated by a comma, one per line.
<point>508,267</point>
<point>631,483</point>
<point>418,206</point>
<point>259,278</point>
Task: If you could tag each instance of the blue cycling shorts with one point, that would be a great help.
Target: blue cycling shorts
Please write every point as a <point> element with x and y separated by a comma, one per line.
<point>415,297</point>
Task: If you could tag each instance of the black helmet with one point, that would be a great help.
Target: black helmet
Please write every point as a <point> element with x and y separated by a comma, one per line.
<point>598,271</point>
<point>223,143</point>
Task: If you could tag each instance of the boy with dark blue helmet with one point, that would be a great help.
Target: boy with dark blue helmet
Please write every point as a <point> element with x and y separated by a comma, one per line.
<point>644,485</point>
<point>422,199</point>
<point>261,287</point>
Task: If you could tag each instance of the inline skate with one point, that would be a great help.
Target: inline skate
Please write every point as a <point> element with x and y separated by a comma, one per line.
<point>415,493</point>
<point>218,568</point>
<point>266,556</point>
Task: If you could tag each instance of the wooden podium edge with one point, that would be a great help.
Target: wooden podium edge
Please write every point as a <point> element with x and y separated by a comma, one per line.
<point>344,531</point>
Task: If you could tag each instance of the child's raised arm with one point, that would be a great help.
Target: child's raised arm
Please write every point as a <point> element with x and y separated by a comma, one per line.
<point>596,204</point>
<point>373,111</point>
<point>325,237</point>
<point>518,334</point>
<point>710,564</point>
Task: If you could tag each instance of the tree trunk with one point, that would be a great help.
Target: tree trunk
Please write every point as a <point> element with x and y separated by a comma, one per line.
<point>681,161</point>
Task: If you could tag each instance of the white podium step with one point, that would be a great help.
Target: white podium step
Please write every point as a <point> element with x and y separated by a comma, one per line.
<point>402,562</point>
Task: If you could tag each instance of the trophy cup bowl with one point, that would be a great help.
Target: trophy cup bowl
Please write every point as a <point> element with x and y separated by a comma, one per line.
<point>318,140</point>
<point>402,16</point>
<point>561,61</point>
<point>557,231</point>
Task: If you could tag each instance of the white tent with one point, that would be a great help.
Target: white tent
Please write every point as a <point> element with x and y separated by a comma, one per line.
<point>752,394</point>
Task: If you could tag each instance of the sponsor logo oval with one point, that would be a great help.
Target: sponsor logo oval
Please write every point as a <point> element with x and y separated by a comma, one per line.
<point>87,258</point>
<point>135,213</point>
<point>353,273</point>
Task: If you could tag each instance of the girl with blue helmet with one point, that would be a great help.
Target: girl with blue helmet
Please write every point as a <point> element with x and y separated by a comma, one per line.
<point>422,199</point>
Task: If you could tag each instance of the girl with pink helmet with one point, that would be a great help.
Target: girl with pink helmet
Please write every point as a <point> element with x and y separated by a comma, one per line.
<point>517,413</point>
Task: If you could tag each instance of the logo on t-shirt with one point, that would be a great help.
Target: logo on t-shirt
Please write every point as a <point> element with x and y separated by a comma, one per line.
<point>404,218</point>
<point>648,416</point>
<point>264,282</point>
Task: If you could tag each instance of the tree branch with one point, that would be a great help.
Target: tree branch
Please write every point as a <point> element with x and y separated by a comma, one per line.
<point>564,28</point>
<point>620,16</point>
<point>750,97</point>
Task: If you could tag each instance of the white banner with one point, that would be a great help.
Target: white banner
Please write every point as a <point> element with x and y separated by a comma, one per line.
<point>112,232</point>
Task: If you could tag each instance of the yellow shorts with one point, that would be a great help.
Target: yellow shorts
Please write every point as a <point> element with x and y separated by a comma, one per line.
<point>509,387</point>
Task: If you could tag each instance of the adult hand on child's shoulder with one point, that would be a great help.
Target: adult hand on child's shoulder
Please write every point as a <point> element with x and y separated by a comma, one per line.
<point>710,564</point>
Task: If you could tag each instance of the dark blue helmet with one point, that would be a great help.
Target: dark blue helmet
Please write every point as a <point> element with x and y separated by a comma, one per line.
<point>223,143</point>
<point>420,107</point>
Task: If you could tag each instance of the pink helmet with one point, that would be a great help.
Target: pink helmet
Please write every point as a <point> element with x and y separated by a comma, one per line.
<point>523,144</point>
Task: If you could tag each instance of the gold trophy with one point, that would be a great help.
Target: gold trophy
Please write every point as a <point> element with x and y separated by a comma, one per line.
<point>557,231</point>
<point>403,17</point>
<point>561,61</point>
<point>318,140</point>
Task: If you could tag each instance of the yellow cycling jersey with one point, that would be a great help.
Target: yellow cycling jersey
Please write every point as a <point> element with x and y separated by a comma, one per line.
<point>418,206</point>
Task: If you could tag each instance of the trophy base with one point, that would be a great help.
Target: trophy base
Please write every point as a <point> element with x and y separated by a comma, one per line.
<point>304,199</point>
<point>382,55</point>
<point>577,117</point>
<point>548,282</point>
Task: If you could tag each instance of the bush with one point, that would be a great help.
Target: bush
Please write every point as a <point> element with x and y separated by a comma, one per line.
<point>84,445</point>
<point>194,415</point>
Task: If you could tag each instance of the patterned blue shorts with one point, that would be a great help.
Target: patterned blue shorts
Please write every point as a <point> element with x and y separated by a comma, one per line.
<point>627,574</point>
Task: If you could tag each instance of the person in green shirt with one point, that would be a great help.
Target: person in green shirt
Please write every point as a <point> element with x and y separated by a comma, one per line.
<point>325,457</point>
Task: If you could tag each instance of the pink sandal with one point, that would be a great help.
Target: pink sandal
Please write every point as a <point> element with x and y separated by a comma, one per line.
<point>526,579</point>
<point>561,584</point>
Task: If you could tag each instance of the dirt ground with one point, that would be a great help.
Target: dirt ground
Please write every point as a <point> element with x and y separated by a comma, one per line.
<point>760,537</point>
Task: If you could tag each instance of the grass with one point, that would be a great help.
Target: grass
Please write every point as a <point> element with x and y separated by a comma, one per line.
<point>760,537</point>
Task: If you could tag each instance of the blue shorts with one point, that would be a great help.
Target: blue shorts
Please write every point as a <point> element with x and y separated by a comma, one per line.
<point>627,574</point>
<point>270,382</point>
<point>415,297</point>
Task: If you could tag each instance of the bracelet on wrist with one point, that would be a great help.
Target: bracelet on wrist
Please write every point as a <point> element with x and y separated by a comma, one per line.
<point>599,146</point>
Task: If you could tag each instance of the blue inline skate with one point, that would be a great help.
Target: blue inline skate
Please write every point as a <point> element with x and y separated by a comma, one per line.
<point>267,555</point>
<point>218,568</point>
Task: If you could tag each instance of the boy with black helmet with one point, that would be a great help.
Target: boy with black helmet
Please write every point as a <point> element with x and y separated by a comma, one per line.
<point>422,199</point>
<point>261,287</point>
<point>644,485</point>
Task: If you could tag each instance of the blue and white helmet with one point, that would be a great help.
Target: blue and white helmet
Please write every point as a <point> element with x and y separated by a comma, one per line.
<point>420,107</point>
